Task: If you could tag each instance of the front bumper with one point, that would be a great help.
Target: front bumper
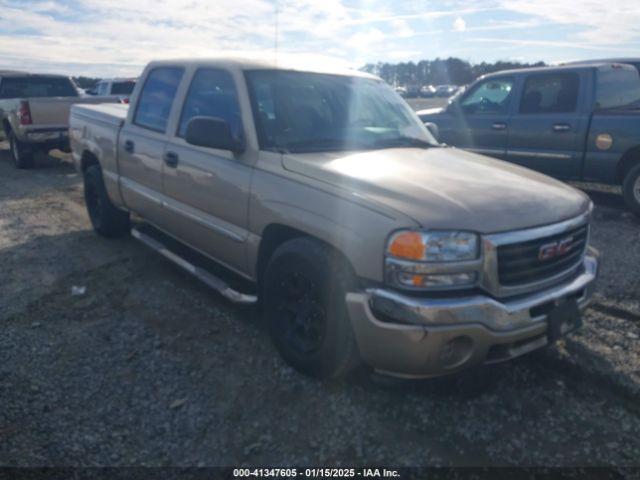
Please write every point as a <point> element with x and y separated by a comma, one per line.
<point>418,337</point>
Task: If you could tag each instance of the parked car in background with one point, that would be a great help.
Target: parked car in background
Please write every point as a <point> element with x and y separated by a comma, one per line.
<point>114,87</point>
<point>574,122</point>
<point>34,112</point>
<point>413,91</point>
<point>402,91</point>
<point>445,90</point>
<point>428,91</point>
<point>330,201</point>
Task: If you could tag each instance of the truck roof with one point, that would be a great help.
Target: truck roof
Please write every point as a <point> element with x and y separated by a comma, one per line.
<point>16,73</point>
<point>631,60</point>
<point>577,66</point>
<point>119,79</point>
<point>7,72</point>
<point>248,63</point>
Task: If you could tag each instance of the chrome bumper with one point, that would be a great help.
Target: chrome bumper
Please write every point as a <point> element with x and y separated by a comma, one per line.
<point>418,337</point>
<point>43,135</point>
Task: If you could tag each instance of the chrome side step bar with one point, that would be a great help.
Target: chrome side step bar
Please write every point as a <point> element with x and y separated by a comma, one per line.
<point>207,277</point>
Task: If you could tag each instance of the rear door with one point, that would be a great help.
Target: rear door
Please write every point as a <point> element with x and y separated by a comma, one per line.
<point>142,142</point>
<point>481,117</point>
<point>547,129</point>
<point>207,189</point>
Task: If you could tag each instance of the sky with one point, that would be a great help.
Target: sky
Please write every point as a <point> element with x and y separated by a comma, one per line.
<point>107,38</point>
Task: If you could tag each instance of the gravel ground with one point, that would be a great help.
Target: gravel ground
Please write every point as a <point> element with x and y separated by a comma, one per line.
<point>149,367</point>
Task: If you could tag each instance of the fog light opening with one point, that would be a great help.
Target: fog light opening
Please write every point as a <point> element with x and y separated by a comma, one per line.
<point>456,351</point>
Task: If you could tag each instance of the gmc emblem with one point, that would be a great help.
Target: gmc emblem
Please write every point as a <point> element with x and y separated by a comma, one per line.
<point>555,249</point>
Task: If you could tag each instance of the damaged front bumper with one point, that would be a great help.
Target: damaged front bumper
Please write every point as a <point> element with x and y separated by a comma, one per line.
<point>409,336</point>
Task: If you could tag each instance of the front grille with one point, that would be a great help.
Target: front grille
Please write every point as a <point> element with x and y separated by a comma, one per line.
<point>522,263</point>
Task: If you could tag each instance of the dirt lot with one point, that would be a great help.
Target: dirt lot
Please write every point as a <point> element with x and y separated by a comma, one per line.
<point>149,367</point>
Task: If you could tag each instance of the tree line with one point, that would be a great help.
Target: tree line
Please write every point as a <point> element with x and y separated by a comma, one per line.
<point>440,71</point>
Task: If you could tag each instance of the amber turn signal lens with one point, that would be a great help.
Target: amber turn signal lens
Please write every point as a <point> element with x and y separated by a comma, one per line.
<point>409,245</point>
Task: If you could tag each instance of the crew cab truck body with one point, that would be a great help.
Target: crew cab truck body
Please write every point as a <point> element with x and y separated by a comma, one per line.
<point>574,122</point>
<point>361,236</point>
<point>34,112</point>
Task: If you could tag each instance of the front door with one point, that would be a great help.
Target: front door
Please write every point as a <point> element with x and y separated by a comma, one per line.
<point>206,189</point>
<point>545,132</point>
<point>481,117</point>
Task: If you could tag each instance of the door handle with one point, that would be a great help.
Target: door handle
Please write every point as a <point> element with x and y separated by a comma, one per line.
<point>561,127</point>
<point>171,159</point>
<point>129,146</point>
<point>499,126</point>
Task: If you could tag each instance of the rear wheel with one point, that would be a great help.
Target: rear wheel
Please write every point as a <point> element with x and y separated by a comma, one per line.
<point>22,156</point>
<point>106,218</point>
<point>304,289</point>
<point>631,189</point>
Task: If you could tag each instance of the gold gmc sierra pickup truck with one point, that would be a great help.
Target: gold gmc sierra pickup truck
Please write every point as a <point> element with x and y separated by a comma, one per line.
<point>320,195</point>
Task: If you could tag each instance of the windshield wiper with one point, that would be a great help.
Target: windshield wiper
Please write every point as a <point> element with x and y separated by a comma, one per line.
<point>321,145</point>
<point>314,142</point>
<point>404,142</point>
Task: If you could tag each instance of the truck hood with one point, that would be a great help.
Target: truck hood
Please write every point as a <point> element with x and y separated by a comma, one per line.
<point>446,188</point>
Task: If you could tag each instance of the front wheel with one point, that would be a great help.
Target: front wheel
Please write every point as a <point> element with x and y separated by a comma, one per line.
<point>106,218</point>
<point>304,289</point>
<point>631,189</point>
<point>22,156</point>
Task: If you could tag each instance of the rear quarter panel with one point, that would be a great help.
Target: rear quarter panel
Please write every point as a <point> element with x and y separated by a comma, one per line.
<point>600,165</point>
<point>94,130</point>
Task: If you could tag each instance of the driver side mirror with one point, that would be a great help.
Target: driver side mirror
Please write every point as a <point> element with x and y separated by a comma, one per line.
<point>212,132</point>
<point>433,129</point>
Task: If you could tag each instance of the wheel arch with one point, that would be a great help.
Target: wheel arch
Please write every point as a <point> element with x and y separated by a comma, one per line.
<point>88,159</point>
<point>6,126</point>
<point>629,159</point>
<point>276,234</point>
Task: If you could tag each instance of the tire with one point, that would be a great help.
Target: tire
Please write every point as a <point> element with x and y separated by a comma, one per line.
<point>107,220</point>
<point>303,295</point>
<point>22,157</point>
<point>631,189</point>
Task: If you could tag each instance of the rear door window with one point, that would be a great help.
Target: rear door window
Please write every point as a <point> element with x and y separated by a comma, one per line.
<point>36,87</point>
<point>617,87</point>
<point>550,93</point>
<point>156,98</point>
<point>212,94</point>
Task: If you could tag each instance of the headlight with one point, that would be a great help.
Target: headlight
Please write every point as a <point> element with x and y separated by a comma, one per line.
<point>433,246</point>
<point>436,260</point>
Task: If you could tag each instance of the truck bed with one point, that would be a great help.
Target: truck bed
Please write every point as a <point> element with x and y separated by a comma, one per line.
<point>96,129</point>
<point>110,113</point>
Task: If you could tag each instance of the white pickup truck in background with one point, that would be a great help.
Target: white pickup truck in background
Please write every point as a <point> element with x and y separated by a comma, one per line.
<point>34,113</point>
<point>120,88</point>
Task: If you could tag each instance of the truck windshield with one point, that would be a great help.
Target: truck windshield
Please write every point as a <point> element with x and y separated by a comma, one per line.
<point>122,88</point>
<point>34,87</point>
<point>618,87</point>
<point>312,112</point>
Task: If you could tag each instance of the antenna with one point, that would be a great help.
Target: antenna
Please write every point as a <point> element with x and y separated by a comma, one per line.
<point>275,40</point>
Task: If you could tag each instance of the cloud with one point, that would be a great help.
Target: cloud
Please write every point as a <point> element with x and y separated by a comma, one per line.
<point>401,28</point>
<point>459,25</point>
<point>602,23</point>
<point>118,37</point>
